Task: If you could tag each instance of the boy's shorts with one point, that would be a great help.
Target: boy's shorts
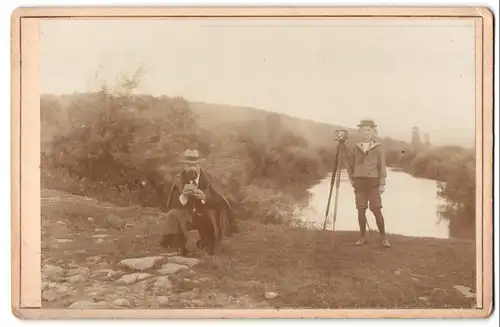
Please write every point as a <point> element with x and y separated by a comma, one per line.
<point>366,190</point>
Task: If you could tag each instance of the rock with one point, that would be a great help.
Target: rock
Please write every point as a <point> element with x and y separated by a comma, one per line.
<point>423,298</point>
<point>143,286</point>
<point>62,289</point>
<point>60,222</point>
<point>77,271</point>
<point>415,279</point>
<point>115,222</point>
<point>108,273</point>
<point>204,279</point>
<point>99,241</point>
<point>94,294</point>
<point>69,265</point>
<point>271,295</point>
<point>465,291</point>
<point>170,254</point>
<point>74,279</point>
<point>140,263</point>
<point>63,240</point>
<point>132,278</point>
<point>94,259</point>
<point>53,273</point>
<point>162,299</point>
<point>90,219</point>
<point>122,302</point>
<point>172,268</point>
<point>191,262</point>
<point>50,295</point>
<point>397,272</point>
<point>88,305</point>
<point>129,225</point>
<point>162,284</point>
<point>100,230</point>
<point>99,236</point>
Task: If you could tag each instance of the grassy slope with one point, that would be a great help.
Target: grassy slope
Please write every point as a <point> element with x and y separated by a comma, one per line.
<point>308,269</point>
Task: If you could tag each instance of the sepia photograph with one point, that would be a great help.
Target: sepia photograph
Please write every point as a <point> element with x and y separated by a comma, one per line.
<point>259,163</point>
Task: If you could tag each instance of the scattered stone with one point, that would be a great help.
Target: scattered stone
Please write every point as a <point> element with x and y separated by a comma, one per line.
<point>77,271</point>
<point>423,298</point>
<point>99,236</point>
<point>191,262</point>
<point>50,295</point>
<point>108,273</point>
<point>162,299</point>
<point>63,240</point>
<point>169,254</point>
<point>69,265</point>
<point>143,286</point>
<point>90,219</point>
<point>122,302</point>
<point>172,268</point>
<point>88,305</point>
<point>129,225</point>
<point>61,289</point>
<point>132,278</point>
<point>100,230</point>
<point>115,222</point>
<point>94,294</point>
<point>465,291</point>
<point>162,284</point>
<point>271,295</point>
<point>74,279</point>
<point>60,222</point>
<point>397,272</point>
<point>99,241</point>
<point>197,302</point>
<point>415,279</point>
<point>204,279</point>
<point>140,263</point>
<point>53,273</point>
<point>94,259</point>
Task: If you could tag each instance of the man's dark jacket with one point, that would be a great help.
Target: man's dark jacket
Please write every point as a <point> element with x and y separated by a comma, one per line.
<point>215,199</point>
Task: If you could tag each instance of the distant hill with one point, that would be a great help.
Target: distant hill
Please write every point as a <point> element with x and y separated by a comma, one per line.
<point>318,134</point>
<point>217,116</point>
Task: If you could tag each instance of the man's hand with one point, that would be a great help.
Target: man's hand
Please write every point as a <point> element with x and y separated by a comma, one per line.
<point>188,189</point>
<point>197,193</point>
<point>381,189</point>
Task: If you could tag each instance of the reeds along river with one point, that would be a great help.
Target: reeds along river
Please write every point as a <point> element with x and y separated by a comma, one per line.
<point>411,207</point>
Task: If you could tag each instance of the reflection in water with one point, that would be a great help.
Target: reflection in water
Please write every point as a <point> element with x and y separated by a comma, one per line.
<point>410,207</point>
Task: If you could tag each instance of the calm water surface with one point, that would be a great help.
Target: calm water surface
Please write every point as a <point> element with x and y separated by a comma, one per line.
<point>410,207</point>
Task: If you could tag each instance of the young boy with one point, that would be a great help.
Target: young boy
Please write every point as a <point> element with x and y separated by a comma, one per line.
<point>367,173</point>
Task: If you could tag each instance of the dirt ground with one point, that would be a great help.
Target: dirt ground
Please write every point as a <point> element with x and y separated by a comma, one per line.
<point>84,243</point>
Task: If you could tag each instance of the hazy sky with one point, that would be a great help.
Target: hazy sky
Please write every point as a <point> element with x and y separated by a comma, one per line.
<point>400,73</point>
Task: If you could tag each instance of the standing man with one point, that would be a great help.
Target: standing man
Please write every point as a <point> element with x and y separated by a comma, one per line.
<point>367,174</point>
<point>196,200</point>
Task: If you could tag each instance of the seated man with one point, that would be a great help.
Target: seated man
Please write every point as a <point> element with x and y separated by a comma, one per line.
<point>196,201</point>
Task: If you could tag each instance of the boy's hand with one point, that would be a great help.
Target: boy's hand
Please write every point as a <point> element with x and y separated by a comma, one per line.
<point>381,189</point>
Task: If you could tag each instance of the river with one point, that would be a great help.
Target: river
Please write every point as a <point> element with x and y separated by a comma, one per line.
<point>410,207</point>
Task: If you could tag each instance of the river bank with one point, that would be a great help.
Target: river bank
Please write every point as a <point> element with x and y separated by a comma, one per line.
<point>295,267</point>
<point>411,206</point>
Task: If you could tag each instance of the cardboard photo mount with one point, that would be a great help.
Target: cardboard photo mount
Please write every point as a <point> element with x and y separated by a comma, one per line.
<point>25,155</point>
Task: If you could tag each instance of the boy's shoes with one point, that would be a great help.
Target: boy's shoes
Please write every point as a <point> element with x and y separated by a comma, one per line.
<point>361,241</point>
<point>386,244</point>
